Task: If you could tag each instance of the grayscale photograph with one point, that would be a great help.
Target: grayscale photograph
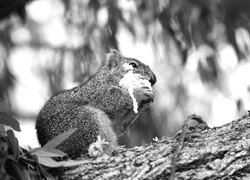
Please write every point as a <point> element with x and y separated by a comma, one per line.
<point>124,89</point>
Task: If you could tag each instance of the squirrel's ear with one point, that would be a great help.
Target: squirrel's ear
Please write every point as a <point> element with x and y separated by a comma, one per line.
<point>113,58</point>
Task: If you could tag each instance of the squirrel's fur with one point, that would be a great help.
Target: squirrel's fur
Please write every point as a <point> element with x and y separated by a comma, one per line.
<point>98,106</point>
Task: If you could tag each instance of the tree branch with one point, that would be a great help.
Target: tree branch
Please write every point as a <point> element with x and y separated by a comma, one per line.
<point>221,152</point>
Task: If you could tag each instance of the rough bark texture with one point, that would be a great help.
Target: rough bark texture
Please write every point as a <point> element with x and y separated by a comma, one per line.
<point>217,153</point>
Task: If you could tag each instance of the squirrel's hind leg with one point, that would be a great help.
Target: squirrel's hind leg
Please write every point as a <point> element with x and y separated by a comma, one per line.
<point>106,131</point>
<point>94,135</point>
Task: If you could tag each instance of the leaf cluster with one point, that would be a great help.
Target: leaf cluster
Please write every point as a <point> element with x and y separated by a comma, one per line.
<point>25,164</point>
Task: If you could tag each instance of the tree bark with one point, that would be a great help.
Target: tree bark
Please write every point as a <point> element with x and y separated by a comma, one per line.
<point>202,153</point>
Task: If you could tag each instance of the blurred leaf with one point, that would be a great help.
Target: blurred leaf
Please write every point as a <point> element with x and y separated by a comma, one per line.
<point>208,70</point>
<point>45,173</point>
<point>13,143</point>
<point>3,150</point>
<point>26,174</point>
<point>21,12</point>
<point>4,175</point>
<point>2,130</point>
<point>45,152</point>
<point>94,4</point>
<point>48,162</point>
<point>13,170</point>
<point>3,108</point>
<point>4,105</point>
<point>8,7</point>
<point>52,144</point>
<point>8,120</point>
<point>71,163</point>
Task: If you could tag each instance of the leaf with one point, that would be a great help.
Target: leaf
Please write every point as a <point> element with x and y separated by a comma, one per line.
<point>71,163</point>
<point>52,144</point>
<point>48,162</point>
<point>45,152</point>
<point>8,120</point>
<point>13,143</point>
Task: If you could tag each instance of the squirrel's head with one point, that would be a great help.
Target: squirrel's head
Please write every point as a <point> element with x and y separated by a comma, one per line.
<point>118,66</point>
<point>137,78</point>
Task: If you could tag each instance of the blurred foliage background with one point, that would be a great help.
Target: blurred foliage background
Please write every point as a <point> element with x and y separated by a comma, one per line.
<point>199,51</point>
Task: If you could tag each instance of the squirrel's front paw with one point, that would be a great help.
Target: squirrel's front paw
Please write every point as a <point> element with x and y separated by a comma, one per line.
<point>144,96</point>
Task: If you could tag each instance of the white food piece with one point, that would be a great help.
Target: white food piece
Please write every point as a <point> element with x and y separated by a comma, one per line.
<point>96,148</point>
<point>129,81</point>
<point>132,81</point>
<point>135,104</point>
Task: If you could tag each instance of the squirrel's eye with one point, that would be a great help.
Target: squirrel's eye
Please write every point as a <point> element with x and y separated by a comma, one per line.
<point>133,64</point>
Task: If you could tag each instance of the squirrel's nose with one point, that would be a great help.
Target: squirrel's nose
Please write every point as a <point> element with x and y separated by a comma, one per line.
<point>152,79</point>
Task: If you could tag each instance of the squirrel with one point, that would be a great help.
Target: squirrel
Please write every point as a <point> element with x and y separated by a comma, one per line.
<point>102,106</point>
